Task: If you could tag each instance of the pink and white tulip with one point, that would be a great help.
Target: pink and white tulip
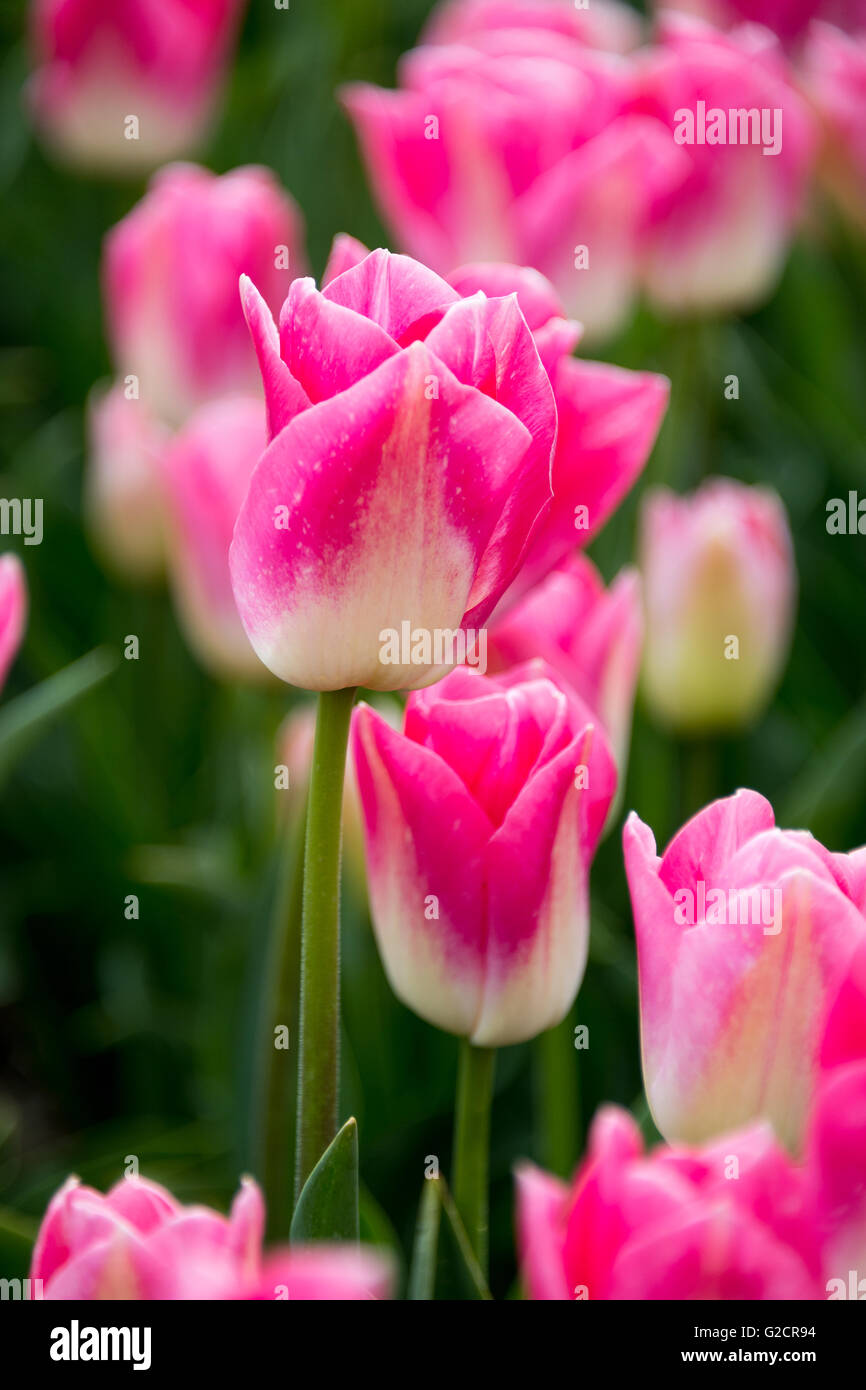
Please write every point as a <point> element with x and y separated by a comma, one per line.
<point>138,1242</point>
<point>719,590</point>
<point>717,240</point>
<point>481,821</point>
<point>519,144</point>
<point>412,434</point>
<point>591,636</point>
<point>13,611</point>
<point>123,500</point>
<point>727,1221</point>
<point>835,80</point>
<point>171,270</point>
<point>745,936</point>
<point>102,65</point>
<point>206,472</point>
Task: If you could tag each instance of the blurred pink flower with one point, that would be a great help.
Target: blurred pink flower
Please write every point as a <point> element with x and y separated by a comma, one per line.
<point>835,80</point>
<point>138,1242</point>
<point>123,499</point>
<point>745,935</point>
<point>170,279</point>
<point>788,18</point>
<point>717,240</point>
<point>104,63</point>
<point>13,611</point>
<point>604,24</point>
<point>719,586</point>
<point>481,821</point>
<point>206,472</point>
<point>591,636</point>
<point>507,142</point>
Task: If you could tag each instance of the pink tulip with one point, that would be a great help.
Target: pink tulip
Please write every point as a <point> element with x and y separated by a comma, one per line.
<point>13,611</point>
<point>206,473</point>
<point>717,240</point>
<point>171,272</point>
<point>590,635</point>
<point>605,24</point>
<point>410,460</point>
<point>120,87</point>
<point>608,417</point>
<point>745,935</point>
<point>719,589</point>
<point>519,144</point>
<point>787,18</point>
<point>835,79</point>
<point>481,821</point>
<point>124,499</point>
<point>138,1242</point>
<point>728,1221</point>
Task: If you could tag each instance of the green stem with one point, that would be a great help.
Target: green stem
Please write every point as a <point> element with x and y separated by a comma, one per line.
<point>558,1097</point>
<point>319,1064</point>
<point>472,1143</point>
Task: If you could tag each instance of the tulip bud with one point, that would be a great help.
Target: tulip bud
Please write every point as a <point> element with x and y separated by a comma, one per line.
<point>138,1242</point>
<point>719,585</point>
<point>481,821</point>
<point>206,473</point>
<point>728,1221</point>
<point>745,935</point>
<point>121,87</point>
<point>123,499</point>
<point>175,326</point>
<point>13,611</point>
<point>589,635</point>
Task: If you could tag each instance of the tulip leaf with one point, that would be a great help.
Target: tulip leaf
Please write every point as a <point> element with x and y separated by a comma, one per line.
<point>443,1261</point>
<point>23,719</point>
<point>327,1208</point>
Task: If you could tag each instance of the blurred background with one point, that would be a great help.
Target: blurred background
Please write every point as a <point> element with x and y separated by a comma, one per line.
<point>138,1037</point>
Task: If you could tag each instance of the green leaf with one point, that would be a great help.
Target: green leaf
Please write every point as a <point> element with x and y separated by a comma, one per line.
<point>327,1208</point>
<point>443,1261</point>
<point>23,719</point>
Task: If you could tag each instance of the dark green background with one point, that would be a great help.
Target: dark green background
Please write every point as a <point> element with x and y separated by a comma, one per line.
<point>121,1037</point>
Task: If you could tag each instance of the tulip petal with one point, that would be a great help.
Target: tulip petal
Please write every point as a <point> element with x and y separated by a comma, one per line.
<point>284,396</point>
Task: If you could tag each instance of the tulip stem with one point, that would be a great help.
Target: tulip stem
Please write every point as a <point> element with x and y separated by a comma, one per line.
<point>472,1143</point>
<point>319,1040</point>
<point>557,1082</point>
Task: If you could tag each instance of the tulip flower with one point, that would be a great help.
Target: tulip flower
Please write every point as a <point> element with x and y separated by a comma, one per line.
<point>13,611</point>
<point>719,585</point>
<point>519,144</point>
<point>138,1242</point>
<point>608,417</point>
<point>727,1221</point>
<point>170,280</point>
<point>206,472</point>
<point>745,936</point>
<point>124,502</point>
<point>123,87</point>
<point>410,460</point>
<point>481,821</point>
<point>591,636</point>
<point>717,240</point>
<point>835,80</point>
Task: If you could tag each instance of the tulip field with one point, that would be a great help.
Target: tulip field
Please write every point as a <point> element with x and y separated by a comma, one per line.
<point>432,681</point>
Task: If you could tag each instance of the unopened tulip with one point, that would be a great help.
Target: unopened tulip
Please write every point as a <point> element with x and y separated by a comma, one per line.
<point>206,473</point>
<point>590,635</point>
<point>727,1221</point>
<point>138,1242</point>
<point>13,611</point>
<point>719,586</point>
<point>481,821</point>
<point>122,85</point>
<point>519,144</point>
<point>410,460</point>
<point>124,500</point>
<point>175,326</point>
<point>607,417</point>
<point>835,80</point>
<point>745,936</point>
<point>718,239</point>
